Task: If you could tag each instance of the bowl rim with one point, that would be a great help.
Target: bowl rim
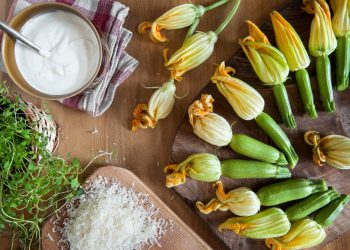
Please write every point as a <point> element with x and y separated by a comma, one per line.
<point>7,39</point>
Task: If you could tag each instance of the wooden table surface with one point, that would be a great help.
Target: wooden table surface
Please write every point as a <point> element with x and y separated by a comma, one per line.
<point>146,152</point>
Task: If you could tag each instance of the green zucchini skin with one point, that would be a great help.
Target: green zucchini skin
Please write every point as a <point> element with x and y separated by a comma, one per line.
<point>310,204</point>
<point>245,169</point>
<point>289,190</point>
<point>252,148</point>
<point>326,216</point>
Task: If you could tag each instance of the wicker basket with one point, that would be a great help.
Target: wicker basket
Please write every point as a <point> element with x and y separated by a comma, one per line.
<point>42,123</point>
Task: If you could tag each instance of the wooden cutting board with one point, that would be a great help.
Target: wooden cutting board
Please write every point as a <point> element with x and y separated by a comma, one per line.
<point>180,237</point>
<point>187,143</point>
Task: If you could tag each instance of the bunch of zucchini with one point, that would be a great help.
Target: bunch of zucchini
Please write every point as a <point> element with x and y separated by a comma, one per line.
<point>290,228</point>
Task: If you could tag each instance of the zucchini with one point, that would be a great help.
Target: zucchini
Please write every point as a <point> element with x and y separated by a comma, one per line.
<point>252,148</point>
<point>310,204</point>
<point>244,169</point>
<point>289,190</point>
<point>329,213</point>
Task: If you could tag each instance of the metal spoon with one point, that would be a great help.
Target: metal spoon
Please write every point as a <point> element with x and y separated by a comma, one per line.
<point>18,36</point>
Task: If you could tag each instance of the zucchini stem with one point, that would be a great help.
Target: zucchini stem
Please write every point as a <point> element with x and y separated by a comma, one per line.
<point>274,131</point>
<point>305,90</point>
<point>323,72</point>
<point>216,4</point>
<point>342,62</point>
<point>283,104</point>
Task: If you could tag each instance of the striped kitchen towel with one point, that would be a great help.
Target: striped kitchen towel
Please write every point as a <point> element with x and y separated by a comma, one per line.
<point>108,16</point>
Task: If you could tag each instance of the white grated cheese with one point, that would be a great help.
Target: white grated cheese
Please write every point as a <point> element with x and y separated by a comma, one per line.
<point>111,216</point>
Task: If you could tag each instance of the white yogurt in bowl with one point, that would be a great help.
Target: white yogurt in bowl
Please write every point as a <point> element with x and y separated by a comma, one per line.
<point>73,58</point>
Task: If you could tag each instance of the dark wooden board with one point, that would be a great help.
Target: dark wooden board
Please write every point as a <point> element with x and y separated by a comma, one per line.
<point>187,143</point>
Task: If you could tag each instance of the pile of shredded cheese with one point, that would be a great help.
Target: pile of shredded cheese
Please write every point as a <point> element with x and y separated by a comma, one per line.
<point>111,216</point>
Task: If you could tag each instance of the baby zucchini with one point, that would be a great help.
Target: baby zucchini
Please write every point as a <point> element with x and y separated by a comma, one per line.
<point>252,148</point>
<point>289,190</point>
<point>329,213</point>
<point>310,204</point>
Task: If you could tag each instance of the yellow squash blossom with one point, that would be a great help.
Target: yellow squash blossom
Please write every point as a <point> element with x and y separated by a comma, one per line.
<point>207,125</point>
<point>341,28</point>
<point>195,50</point>
<point>176,18</point>
<point>271,67</point>
<point>270,223</point>
<point>159,107</point>
<point>268,62</point>
<point>341,18</point>
<point>322,39</point>
<point>201,166</point>
<point>245,100</point>
<point>241,201</point>
<point>332,149</point>
<point>290,44</point>
<point>322,42</point>
<point>304,233</point>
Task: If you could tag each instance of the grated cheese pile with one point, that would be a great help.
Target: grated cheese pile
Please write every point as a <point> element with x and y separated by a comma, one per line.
<point>111,216</point>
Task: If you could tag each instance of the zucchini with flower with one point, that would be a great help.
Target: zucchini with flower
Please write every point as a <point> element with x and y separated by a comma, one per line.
<point>271,67</point>
<point>241,201</point>
<point>207,167</point>
<point>322,43</point>
<point>270,223</point>
<point>332,149</point>
<point>341,28</point>
<point>215,130</point>
<point>304,233</point>
<point>179,17</point>
<point>310,204</point>
<point>289,190</point>
<point>327,215</point>
<point>293,49</point>
<point>248,105</point>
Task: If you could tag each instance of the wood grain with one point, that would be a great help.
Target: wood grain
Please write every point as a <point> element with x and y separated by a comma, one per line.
<point>179,236</point>
<point>186,142</point>
<point>146,152</point>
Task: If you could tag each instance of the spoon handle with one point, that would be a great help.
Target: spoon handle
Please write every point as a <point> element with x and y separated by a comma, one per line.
<point>18,36</point>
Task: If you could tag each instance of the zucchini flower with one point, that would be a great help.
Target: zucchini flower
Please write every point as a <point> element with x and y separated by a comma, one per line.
<point>341,28</point>
<point>196,49</point>
<point>176,18</point>
<point>207,125</point>
<point>303,233</point>
<point>248,105</point>
<point>322,43</point>
<point>290,44</point>
<point>159,107</point>
<point>332,149</point>
<point>240,201</point>
<point>201,167</point>
<point>244,99</point>
<point>270,223</point>
<point>271,67</point>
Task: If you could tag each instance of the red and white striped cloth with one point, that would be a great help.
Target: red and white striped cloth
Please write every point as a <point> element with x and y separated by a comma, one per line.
<point>108,16</point>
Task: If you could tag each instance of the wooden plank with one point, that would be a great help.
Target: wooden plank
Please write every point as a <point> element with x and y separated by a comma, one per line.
<point>180,237</point>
